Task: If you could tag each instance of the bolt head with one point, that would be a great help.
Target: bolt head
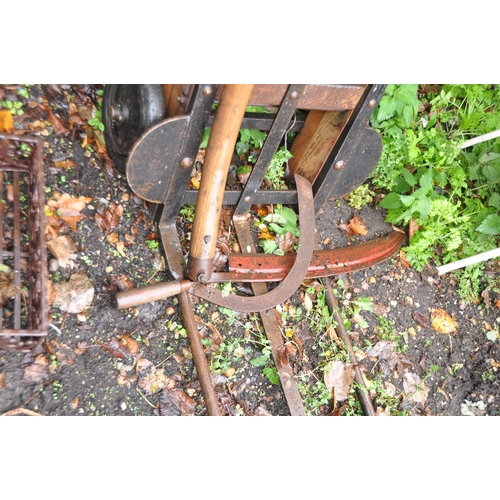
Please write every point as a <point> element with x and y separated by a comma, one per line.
<point>207,90</point>
<point>247,199</point>
<point>294,94</point>
<point>372,103</point>
<point>338,165</point>
<point>187,162</point>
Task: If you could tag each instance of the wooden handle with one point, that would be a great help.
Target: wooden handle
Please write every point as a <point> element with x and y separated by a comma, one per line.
<point>223,137</point>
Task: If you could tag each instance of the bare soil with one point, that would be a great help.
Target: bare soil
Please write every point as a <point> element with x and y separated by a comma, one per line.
<point>137,361</point>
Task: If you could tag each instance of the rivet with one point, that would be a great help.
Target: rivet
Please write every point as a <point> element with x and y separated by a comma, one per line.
<point>207,90</point>
<point>187,162</point>
<point>294,94</point>
<point>181,98</point>
<point>339,165</point>
<point>247,199</point>
<point>372,103</point>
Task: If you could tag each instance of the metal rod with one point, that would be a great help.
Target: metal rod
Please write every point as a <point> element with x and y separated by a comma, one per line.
<point>200,360</point>
<point>333,306</point>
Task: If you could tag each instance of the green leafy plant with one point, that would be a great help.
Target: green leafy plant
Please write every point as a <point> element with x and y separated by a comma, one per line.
<point>450,194</point>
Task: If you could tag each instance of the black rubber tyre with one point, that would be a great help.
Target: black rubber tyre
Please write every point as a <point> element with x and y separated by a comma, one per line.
<point>127,112</point>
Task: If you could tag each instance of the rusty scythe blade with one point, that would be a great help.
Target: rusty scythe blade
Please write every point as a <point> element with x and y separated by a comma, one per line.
<point>293,278</point>
<point>265,267</point>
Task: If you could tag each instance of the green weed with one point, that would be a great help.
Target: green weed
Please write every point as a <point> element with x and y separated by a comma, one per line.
<point>451,194</point>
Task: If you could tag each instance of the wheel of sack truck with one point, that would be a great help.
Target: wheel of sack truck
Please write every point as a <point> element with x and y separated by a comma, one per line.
<point>127,112</point>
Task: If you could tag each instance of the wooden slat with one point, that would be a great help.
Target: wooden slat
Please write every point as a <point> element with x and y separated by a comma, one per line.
<point>315,141</point>
<point>326,97</point>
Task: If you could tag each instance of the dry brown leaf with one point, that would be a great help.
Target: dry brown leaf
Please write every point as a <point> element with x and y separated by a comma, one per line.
<point>122,283</point>
<point>63,248</point>
<point>109,217</point>
<point>217,337</point>
<point>6,121</point>
<point>442,322</point>
<point>64,164</point>
<point>2,381</point>
<point>121,346</point>
<point>7,287</point>
<point>340,376</point>
<point>412,228</point>
<point>176,402</point>
<point>37,372</point>
<point>264,234</point>
<point>57,124</point>
<point>357,226</point>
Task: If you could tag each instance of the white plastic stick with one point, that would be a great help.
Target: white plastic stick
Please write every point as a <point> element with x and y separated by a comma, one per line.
<point>480,138</point>
<point>480,257</point>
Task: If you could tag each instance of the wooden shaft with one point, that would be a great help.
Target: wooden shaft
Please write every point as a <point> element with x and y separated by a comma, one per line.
<point>150,293</point>
<point>221,143</point>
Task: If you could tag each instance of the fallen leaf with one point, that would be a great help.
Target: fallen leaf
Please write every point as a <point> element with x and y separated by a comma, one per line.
<point>414,388</point>
<point>57,124</point>
<point>176,402</point>
<point>419,318</point>
<point>412,228</point>
<point>75,295</point>
<point>122,283</point>
<point>6,121</point>
<point>339,376</point>
<point>357,226</point>
<point>121,346</point>
<point>7,287</point>
<point>64,164</point>
<point>37,372</point>
<point>64,250</point>
<point>2,381</point>
<point>108,219</point>
<point>154,381</point>
<point>442,322</point>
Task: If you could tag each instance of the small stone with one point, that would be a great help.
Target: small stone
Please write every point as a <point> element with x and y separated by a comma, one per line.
<point>372,280</point>
<point>123,406</point>
<point>109,269</point>
<point>169,311</point>
<point>82,318</point>
<point>230,372</point>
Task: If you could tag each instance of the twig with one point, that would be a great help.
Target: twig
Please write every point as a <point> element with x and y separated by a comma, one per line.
<point>146,399</point>
<point>161,362</point>
<point>20,411</point>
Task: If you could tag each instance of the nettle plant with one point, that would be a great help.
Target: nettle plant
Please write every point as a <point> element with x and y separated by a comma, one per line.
<point>450,194</point>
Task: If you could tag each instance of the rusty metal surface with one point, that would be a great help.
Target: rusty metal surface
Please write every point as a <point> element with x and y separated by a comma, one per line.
<point>267,267</point>
<point>199,357</point>
<point>159,164</point>
<point>23,317</point>
<point>273,333</point>
<point>294,277</point>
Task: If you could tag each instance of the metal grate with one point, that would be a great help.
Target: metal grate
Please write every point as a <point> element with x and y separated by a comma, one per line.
<point>23,251</point>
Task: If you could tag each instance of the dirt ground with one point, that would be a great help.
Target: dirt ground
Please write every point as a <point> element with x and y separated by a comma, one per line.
<point>137,361</point>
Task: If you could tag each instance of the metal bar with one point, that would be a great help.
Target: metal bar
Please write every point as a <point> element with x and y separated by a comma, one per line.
<point>17,252</point>
<point>285,373</point>
<point>257,266</point>
<point>1,240</point>
<point>333,306</point>
<point>281,122</point>
<point>200,360</point>
<point>175,259</point>
<point>263,197</point>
